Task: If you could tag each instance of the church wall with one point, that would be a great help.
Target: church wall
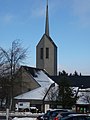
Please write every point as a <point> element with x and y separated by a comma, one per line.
<point>28,83</point>
<point>24,83</point>
<point>39,62</point>
<point>50,63</point>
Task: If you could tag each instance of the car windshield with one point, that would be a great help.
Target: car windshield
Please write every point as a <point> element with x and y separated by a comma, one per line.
<point>54,113</point>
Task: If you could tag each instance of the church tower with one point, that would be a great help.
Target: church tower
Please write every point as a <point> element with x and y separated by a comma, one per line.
<point>46,51</point>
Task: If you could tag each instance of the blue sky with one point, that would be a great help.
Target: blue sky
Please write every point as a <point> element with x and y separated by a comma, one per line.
<point>69,23</point>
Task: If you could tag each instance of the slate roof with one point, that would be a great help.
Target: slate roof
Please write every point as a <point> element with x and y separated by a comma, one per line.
<point>75,81</point>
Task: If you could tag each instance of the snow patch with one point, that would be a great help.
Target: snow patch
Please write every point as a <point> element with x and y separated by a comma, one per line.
<point>23,118</point>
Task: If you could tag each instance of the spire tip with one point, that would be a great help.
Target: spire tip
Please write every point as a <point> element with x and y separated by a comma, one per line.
<point>47,21</point>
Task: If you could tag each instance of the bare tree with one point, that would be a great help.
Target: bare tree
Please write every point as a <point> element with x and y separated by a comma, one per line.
<point>10,61</point>
<point>52,93</point>
<point>13,57</point>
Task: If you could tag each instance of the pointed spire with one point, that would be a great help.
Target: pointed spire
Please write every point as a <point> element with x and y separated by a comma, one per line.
<point>47,21</point>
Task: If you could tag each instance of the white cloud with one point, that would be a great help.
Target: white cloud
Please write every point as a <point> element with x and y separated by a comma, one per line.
<point>6,18</point>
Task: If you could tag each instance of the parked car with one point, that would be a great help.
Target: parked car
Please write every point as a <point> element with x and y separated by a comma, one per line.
<point>50,114</point>
<point>76,117</point>
<point>57,116</point>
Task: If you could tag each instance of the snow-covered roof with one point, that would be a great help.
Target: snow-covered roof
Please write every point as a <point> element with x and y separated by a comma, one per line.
<point>43,79</point>
<point>84,96</point>
<point>38,93</point>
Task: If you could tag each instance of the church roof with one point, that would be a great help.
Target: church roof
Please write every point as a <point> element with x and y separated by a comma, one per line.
<point>36,94</point>
<point>39,75</point>
<point>42,79</point>
<point>75,81</point>
<point>49,38</point>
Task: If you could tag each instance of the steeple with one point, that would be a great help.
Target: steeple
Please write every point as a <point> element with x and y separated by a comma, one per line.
<point>47,21</point>
<point>46,50</point>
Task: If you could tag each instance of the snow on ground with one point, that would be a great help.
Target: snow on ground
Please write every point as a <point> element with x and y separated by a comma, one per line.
<point>26,118</point>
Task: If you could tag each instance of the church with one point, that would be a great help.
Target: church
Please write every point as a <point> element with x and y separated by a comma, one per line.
<point>36,84</point>
<point>34,81</point>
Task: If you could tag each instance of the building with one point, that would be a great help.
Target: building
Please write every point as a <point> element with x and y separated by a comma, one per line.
<point>34,85</point>
<point>82,84</point>
<point>46,51</point>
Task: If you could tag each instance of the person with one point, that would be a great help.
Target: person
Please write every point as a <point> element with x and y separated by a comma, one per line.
<point>58,116</point>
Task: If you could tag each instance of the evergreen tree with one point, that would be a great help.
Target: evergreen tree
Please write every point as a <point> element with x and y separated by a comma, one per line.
<point>66,97</point>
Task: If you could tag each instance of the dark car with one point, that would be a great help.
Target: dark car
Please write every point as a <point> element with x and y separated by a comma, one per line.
<point>61,115</point>
<point>50,114</point>
<point>76,117</point>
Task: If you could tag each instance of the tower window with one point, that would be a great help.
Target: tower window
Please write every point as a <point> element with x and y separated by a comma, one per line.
<point>47,52</point>
<point>41,53</point>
